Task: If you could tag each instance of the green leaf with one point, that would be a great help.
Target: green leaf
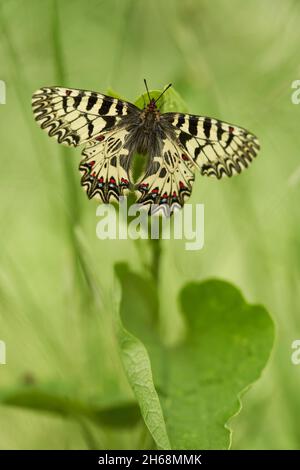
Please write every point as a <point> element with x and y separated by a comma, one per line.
<point>63,401</point>
<point>138,369</point>
<point>144,99</point>
<point>170,100</point>
<point>200,379</point>
<point>173,102</point>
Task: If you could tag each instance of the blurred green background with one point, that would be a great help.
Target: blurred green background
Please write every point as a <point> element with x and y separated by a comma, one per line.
<point>232,60</point>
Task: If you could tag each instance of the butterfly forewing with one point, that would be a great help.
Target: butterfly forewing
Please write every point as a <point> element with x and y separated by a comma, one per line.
<point>74,117</point>
<point>216,148</point>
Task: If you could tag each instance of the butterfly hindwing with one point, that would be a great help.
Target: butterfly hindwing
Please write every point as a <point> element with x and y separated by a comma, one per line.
<point>217,148</point>
<point>74,117</point>
<point>105,166</point>
<point>168,179</point>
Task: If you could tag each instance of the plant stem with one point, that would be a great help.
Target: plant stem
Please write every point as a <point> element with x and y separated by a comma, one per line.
<point>156,252</point>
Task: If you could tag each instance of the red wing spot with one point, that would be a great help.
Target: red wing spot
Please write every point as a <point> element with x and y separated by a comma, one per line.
<point>184,157</point>
<point>230,129</point>
<point>174,194</point>
<point>165,195</point>
<point>100,138</point>
<point>94,173</point>
<point>155,190</point>
<point>112,180</point>
<point>100,179</point>
<point>181,185</point>
<point>91,164</point>
<point>123,180</point>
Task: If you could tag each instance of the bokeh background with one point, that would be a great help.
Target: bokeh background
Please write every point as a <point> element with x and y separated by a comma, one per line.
<point>232,60</point>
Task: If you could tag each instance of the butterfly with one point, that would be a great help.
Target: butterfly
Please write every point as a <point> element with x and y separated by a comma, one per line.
<point>112,131</point>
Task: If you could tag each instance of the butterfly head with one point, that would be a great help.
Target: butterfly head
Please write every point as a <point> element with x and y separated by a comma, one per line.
<point>151,106</point>
<point>150,114</point>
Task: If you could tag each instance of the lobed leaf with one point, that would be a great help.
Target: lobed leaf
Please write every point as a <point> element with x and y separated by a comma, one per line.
<point>200,379</point>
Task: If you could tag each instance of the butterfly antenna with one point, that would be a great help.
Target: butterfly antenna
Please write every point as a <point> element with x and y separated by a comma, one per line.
<point>147,89</point>
<point>170,84</point>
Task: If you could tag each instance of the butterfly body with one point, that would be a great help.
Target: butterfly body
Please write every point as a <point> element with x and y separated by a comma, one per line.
<point>112,131</point>
<point>146,130</point>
